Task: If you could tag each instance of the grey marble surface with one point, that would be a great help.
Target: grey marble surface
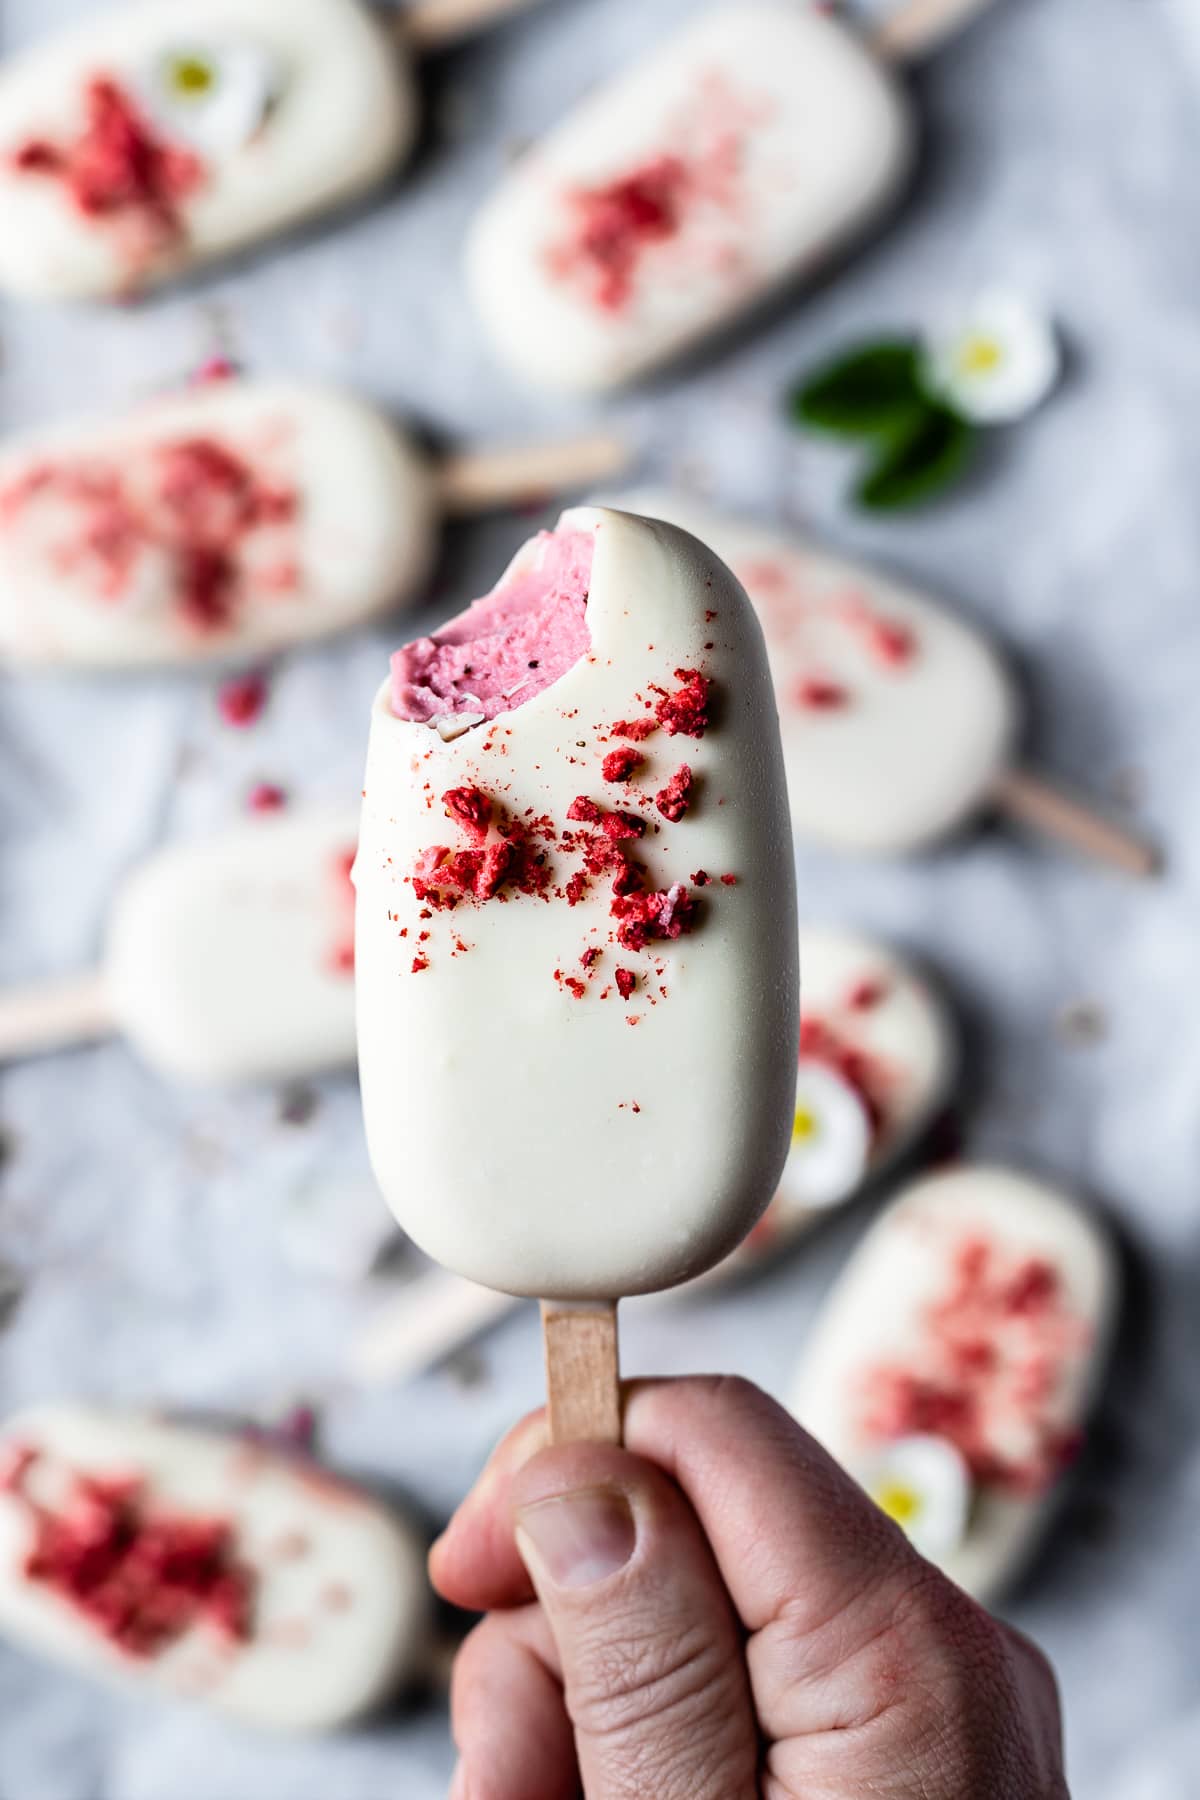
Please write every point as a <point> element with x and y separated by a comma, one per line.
<point>1063,138</point>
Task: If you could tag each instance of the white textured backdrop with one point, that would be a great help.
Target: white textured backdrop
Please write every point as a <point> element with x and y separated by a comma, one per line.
<point>1063,140</point>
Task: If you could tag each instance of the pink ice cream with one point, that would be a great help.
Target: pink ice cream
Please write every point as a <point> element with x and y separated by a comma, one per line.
<point>507,647</point>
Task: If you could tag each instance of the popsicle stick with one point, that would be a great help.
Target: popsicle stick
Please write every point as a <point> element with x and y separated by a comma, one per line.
<point>487,478</point>
<point>430,24</point>
<point>583,1376</point>
<point>53,1016</point>
<point>434,1316</point>
<point>913,28</point>
<point>1034,802</point>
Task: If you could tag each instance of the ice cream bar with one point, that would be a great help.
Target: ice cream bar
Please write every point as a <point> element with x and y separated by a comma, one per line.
<point>155,137</point>
<point>899,720</point>
<point>228,959</point>
<point>957,1359</point>
<point>206,1566</point>
<point>230,521</point>
<point>747,150</point>
<point>576,937</point>
<point>878,1058</point>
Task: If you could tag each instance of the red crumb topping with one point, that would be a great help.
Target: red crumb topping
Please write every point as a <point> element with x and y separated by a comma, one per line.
<point>240,702</point>
<point>575,889</point>
<point>665,913</point>
<point>987,1371</point>
<point>495,867</point>
<point>626,982</point>
<point>673,800</point>
<point>637,729</point>
<point>888,641</point>
<point>574,986</point>
<point>119,171</point>
<point>266,797</point>
<point>419,964</point>
<point>583,810</point>
<point>619,765</point>
<point>819,1042</point>
<point>139,1574</point>
<point>729,880</point>
<point>866,994</point>
<point>819,695</point>
<point>613,226</point>
<point>701,878</point>
<point>195,502</point>
<point>470,806</point>
<point>686,710</point>
<point>620,826</point>
<point>590,955</point>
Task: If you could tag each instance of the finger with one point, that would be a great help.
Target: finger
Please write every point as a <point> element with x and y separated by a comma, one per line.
<point>787,1525</point>
<point>508,1713</point>
<point>474,1564</point>
<point>651,1652</point>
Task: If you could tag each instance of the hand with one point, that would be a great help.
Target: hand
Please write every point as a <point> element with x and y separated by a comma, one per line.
<point>716,1612</point>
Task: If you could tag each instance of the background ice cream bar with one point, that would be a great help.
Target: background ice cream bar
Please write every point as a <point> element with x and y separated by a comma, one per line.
<point>744,151</point>
<point>899,721</point>
<point>158,136</point>
<point>228,959</point>
<point>206,1566</point>
<point>234,520</point>
<point>955,1364</point>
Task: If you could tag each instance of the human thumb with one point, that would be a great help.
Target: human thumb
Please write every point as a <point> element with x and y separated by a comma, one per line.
<point>652,1659</point>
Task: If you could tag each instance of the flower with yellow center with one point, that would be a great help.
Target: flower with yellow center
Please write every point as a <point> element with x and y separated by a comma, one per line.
<point>215,97</point>
<point>924,1485</point>
<point>831,1139</point>
<point>994,360</point>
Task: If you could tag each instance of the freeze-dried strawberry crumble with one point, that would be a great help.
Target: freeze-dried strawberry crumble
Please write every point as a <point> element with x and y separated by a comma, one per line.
<point>222,528</point>
<point>987,1368</point>
<point>119,171</point>
<point>140,1574</point>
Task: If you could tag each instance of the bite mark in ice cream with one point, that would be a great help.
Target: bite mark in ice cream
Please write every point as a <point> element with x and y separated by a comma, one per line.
<point>120,171</point>
<point>508,647</point>
<point>139,1574</point>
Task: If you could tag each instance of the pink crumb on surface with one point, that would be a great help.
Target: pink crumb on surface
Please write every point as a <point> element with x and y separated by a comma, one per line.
<point>506,648</point>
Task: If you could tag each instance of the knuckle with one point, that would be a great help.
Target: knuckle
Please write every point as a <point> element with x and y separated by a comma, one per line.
<point>660,1706</point>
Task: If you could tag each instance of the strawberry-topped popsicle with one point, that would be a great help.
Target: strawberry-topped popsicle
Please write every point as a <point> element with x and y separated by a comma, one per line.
<point>576,937</point>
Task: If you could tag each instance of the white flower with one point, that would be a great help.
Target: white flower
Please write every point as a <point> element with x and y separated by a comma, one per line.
<point>831,1138</point>
<point>995,360</point>
<point>923,1484</point>
<point>212,96</point>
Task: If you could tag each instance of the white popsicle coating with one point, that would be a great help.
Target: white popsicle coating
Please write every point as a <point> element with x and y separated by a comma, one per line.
<point>881,1036</point>
<point>225,522</point>
<point>978,1311</point>
<point>553,1106</point>
<point>897,719</point>
<point>744,151</point>
<point>297,1603</point>
<point>231,959</point>
<point>157,136</point>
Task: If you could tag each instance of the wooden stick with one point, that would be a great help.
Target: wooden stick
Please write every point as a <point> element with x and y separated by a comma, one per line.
<point>434,1316</point>
<point>432,24</point>
<point>1034,802</point>
<point>583,1376</point>
<point>913,28</point>
<point>53,1016</point>
<point>483,479</point>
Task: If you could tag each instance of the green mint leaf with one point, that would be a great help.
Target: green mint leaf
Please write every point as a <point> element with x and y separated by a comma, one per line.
<point>918,461</point>
<point>866,391</point>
